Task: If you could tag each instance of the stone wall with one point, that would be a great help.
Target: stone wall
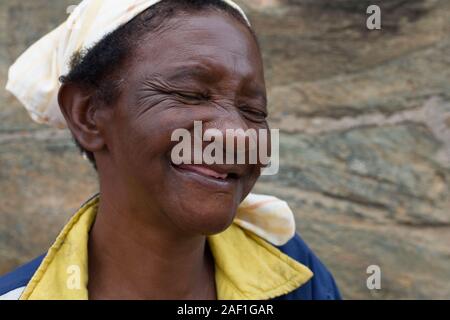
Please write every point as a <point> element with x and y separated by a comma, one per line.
<point>365,139</point>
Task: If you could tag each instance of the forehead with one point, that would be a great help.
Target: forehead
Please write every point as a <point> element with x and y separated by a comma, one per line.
<point>211,41</point>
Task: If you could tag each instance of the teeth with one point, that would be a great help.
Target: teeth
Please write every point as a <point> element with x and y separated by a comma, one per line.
<point>205,171</point>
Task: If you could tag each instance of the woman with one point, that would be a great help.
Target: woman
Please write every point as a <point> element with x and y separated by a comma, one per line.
<point>139,70</point>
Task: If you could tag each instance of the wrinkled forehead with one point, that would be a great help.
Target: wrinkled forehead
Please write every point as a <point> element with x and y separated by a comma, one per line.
<point>210,40</point>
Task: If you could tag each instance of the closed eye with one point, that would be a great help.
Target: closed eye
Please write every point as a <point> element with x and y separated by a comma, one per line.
<point>253,114</point>
<point>191,96</point>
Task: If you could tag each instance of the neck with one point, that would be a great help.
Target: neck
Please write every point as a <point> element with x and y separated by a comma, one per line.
<point>131,257</point>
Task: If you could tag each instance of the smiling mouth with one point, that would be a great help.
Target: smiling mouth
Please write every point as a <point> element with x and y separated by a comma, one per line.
<point>203,170</point>
<point>206,171</point>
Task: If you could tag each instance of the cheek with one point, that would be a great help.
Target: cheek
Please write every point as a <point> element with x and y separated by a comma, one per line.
<point>136,142</point>
<point>141,140</point>
<point>254,174</point>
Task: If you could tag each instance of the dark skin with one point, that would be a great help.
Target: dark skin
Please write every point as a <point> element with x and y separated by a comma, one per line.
<point>149,237</point>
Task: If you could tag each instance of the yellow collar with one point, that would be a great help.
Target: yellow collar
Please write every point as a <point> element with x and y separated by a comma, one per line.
<point>246,266</point>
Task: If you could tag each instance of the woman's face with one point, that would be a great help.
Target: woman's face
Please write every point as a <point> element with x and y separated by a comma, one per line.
<point>204,67</point>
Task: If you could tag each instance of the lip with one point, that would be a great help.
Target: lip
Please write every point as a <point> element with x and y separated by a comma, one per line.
<point>204,170</point>
<point>186,173</point>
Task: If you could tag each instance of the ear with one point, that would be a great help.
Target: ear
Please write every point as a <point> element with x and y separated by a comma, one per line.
<point>77,106</point>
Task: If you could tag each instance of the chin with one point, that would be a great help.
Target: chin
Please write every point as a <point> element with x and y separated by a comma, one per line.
<point>207,217</point>
<point>205,198</point>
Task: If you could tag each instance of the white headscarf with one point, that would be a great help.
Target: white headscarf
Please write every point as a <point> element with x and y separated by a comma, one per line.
<point>34,77</point>
<point>34,80</point>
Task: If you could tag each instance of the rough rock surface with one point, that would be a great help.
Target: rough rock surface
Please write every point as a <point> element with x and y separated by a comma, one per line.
<point>365,139</point>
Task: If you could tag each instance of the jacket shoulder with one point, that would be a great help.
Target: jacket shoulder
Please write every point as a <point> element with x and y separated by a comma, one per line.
<point>19,277</point>
<point>322,285</point>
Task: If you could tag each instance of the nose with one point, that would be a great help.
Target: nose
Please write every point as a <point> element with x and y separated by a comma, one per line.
<point>240,142</point>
